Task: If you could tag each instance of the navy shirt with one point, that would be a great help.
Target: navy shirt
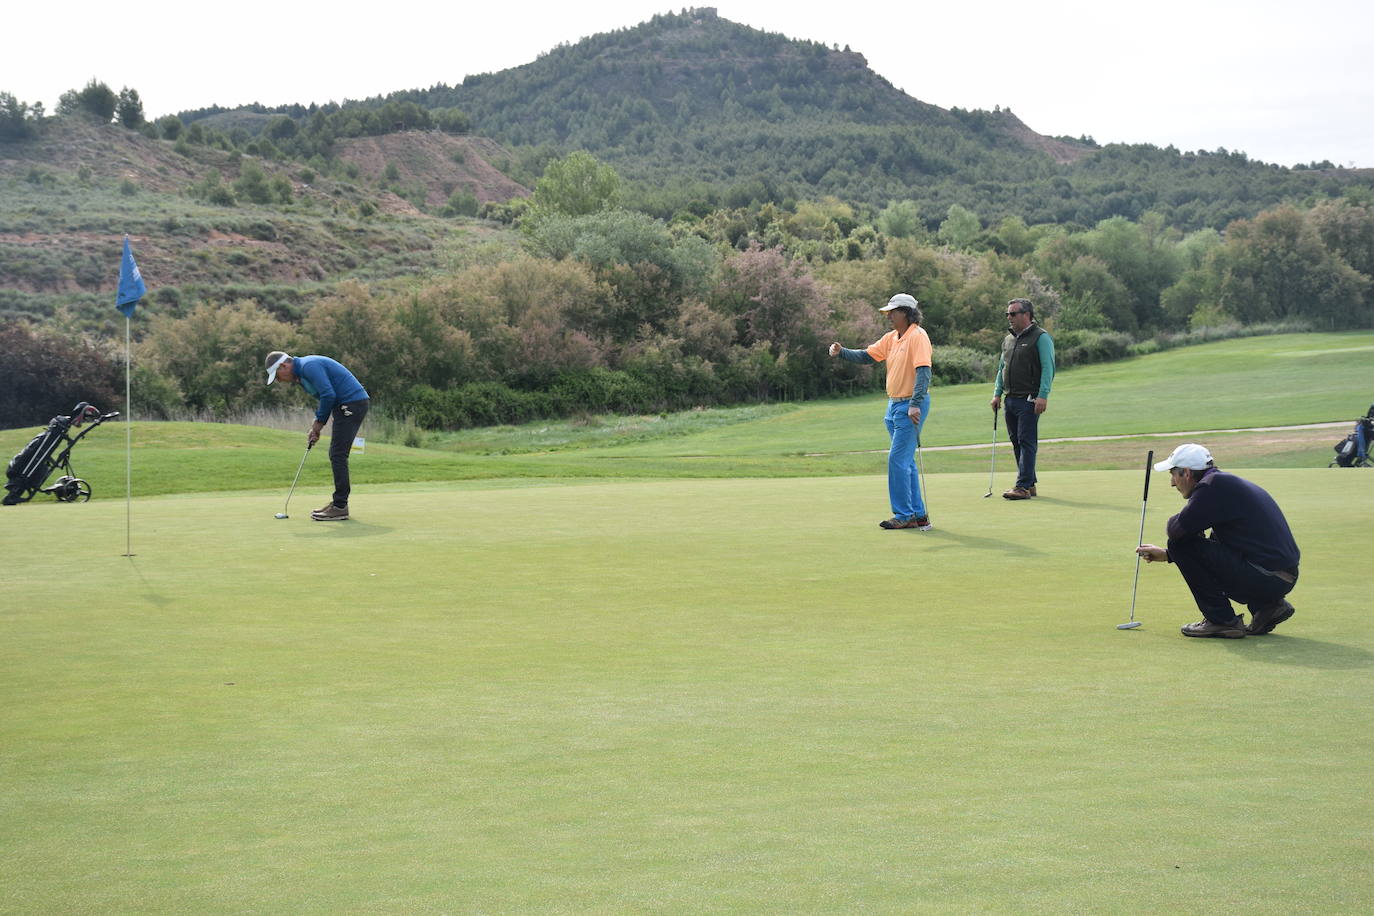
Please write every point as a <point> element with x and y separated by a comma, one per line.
<point>329,381</point>
<point>1242,516</point>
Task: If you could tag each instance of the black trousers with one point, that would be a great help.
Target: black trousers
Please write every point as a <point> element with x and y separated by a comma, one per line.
<point>1217,574</point>
<point>1023,429</point>
<point>347,419</point>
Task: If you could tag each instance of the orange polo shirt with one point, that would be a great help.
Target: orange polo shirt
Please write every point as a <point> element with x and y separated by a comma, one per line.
<point>903,356</point>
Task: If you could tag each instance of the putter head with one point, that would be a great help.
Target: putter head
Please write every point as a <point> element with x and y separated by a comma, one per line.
<point>282,515</point>
<point>1128,626</point>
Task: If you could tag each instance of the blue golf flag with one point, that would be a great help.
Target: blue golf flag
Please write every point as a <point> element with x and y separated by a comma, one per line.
<point>131,286</point>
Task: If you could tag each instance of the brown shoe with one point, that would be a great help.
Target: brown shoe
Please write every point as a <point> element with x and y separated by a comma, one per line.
<point>1018,493</point>
<point>1265,619</point>
<point>1207,628</point>
<point>330,513</point>
<point>1032,492</point>
<point>892,524</point>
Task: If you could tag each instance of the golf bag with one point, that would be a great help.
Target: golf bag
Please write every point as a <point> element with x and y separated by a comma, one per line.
<point>49,451</point>
<point>1353,450</point>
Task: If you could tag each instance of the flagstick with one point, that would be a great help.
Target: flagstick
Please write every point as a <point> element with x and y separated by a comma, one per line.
<point>128,451</point>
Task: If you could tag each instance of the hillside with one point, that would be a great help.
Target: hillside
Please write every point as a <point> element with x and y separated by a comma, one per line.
<point>437,162</point>
<point>697,111</point>
<point>67,198</point>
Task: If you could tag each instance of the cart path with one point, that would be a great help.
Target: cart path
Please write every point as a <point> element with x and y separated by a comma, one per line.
<point>1194,432</point>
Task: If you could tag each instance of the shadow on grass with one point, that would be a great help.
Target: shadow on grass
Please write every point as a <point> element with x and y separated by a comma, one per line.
<point>1075,504</point>
<point>1303,653</point>
<point>350,528</point>
<point>943,538</point>
<point>156,599</point>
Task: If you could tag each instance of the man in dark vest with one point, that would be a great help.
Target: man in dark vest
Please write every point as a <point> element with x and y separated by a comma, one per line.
<point>1024,375</point>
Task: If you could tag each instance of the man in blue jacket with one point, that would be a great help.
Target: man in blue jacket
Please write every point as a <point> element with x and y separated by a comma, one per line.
<point>1250,557</point>
<point>342,397</point>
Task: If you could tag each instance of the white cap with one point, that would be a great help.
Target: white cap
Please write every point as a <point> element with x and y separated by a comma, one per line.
<point>898,301</point>
<point>1189,455</point>
<point>275,359</point>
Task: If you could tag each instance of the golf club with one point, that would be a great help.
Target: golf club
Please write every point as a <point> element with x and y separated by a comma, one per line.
<point>992,460</point>
<point>1133,623</point>
<point>921,475</point>
<point>282,513</point>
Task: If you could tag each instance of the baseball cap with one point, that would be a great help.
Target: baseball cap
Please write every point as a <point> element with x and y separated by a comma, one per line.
<point>275,359</point>
<point>1189,455</point>
<point>898,301</point>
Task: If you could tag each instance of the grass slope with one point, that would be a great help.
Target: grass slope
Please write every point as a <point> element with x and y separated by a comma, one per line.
<point>1254,382</point>
<point>682,695</point>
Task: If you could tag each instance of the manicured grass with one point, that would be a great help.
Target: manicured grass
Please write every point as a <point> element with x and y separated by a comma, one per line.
<point>710,695</point>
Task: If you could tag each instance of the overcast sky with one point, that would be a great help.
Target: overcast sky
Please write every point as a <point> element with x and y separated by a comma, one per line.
<point>1285,82</point>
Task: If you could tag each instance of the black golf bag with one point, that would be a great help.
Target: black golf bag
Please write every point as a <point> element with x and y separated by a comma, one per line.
<point>1353,450</point>
<point>49,451</point>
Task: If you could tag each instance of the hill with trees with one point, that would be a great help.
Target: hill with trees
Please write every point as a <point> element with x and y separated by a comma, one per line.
<point>678,214</point>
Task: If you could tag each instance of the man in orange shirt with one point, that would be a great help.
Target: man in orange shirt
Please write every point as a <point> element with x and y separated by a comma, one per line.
<point>906,350</point>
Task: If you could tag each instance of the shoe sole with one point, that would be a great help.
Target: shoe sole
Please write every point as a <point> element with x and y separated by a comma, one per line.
<point>1223,634</point>
<point>1280,617</point>
<point>330,518</point>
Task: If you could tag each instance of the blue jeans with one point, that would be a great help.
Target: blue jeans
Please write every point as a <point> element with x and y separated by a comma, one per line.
<point>1023,429</point>
<point>903,483</point>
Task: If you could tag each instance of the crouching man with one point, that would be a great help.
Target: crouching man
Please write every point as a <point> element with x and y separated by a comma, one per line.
<point>1250,556</point>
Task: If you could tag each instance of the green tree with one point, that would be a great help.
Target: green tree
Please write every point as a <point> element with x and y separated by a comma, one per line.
<point>960,227</point>
<point>901,219</point>
<point>169,126</point>
<point>576,185</point>
<point>214,353</point>
<point>96,101</point>
<point>129,108</point>
<point>18,120</point>
<point>1275,267</point>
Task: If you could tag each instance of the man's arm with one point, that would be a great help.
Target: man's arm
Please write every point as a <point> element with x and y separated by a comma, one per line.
<point>1200,512</point>
<point>1045,347</point>
<point>855,356</point>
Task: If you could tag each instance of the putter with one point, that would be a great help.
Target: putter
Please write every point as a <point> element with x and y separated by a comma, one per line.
<point>1133,623</point>
<point>282,513</point>
<point>921,475</point>
<point>992,460</point>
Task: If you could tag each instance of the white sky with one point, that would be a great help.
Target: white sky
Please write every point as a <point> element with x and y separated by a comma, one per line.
<point>1285,82</point>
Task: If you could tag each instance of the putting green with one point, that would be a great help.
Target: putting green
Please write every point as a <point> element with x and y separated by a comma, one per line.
<point>708,695</point>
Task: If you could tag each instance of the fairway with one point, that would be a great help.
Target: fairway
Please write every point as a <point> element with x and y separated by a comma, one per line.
<point>674,696</point>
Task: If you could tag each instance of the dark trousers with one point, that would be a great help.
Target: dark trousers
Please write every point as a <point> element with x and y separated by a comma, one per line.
<point>347,419</point>
<point>1216,575</point>
<point>1023,429</point>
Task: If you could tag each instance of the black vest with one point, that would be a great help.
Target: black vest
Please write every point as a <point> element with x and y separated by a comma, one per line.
<point>1021,363</point>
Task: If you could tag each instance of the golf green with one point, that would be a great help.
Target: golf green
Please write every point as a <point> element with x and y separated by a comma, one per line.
<point>668,696</point>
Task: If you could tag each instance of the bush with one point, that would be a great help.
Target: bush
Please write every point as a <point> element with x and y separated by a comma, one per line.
<point>957,365</point>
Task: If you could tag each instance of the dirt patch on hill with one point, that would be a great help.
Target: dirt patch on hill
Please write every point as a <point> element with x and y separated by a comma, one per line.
<point>438,162</point>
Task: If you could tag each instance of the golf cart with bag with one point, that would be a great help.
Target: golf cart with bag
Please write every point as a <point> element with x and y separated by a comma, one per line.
<point>49,451</point>
<point>1353,450</point>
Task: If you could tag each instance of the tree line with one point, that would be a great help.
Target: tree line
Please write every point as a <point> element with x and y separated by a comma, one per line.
<point>601,307</point>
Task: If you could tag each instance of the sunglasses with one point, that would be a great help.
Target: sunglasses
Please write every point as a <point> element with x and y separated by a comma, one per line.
<point>1013,314</point>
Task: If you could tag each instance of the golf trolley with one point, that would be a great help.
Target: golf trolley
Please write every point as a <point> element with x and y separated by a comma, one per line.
<point>1353,450</point>
<point>49,451</point>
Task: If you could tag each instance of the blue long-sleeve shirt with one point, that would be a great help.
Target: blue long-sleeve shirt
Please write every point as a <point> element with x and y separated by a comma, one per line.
<point>1242,516</point>
<point>328,380</point>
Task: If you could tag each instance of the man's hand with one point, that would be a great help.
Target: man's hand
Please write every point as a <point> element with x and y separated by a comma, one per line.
<point>834,349</point>
<point>314,435</point>
<point>996,404</point>
<point>1041,405</point>
<point>915,414</point>
<point>1152,554</point>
